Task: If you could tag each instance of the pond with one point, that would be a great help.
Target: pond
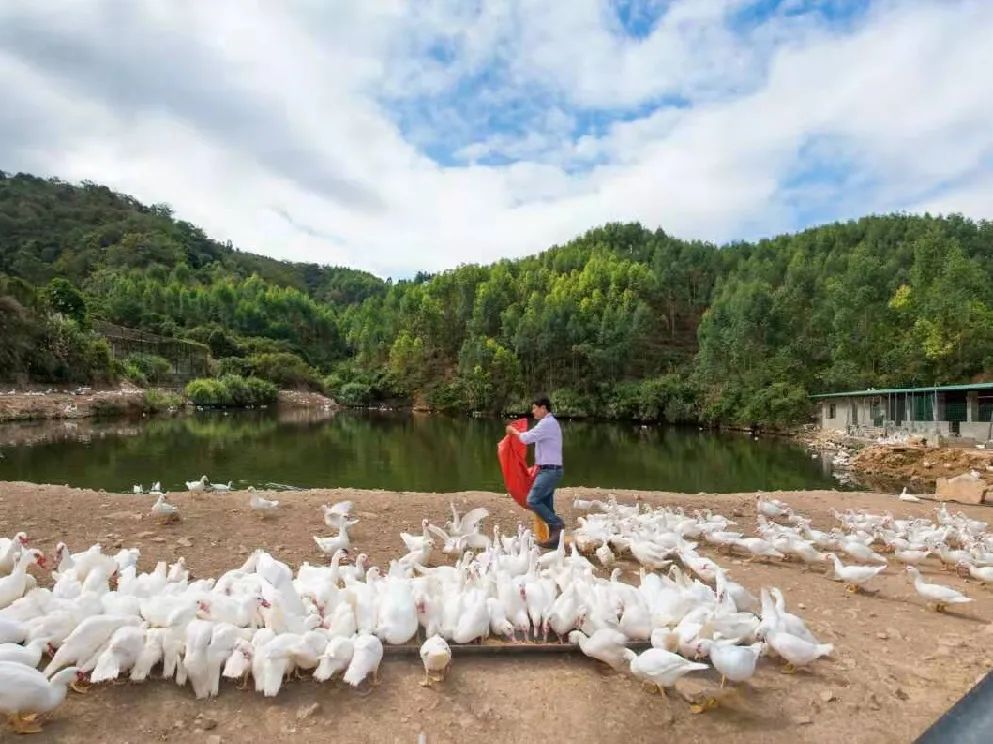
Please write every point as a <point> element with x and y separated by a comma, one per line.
<point>397,452</point>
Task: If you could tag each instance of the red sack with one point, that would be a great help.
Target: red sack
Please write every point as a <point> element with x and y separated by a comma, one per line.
<point>517,476</point>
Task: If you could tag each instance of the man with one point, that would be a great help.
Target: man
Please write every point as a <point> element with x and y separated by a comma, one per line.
<point>546,436</point>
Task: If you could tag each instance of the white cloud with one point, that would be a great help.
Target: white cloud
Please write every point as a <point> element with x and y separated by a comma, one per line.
<point>274,125</point>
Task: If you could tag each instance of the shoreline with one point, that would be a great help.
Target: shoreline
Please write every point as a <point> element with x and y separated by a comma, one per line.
<point>121,402</point>
<point>896,669</point>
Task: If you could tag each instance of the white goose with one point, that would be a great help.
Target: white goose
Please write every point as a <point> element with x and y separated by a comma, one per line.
<point>25,694</point>
<point>940,594</point>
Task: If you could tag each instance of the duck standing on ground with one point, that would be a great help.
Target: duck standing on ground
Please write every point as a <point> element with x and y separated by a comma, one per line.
<point>165,511</point>
<point>25,694</point>
<point>437,657</point>
<point>261,506</point>
<point>940,594</point>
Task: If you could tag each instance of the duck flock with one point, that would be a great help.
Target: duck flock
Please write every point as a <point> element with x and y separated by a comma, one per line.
<point>101,618</point>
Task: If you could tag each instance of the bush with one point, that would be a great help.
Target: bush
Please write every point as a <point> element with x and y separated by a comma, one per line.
<point>143,369</point>
<point>233,366</point>
<point>354,394</point>
<point>284,369</point>
<point>570,404</point>
<point>161,400</point>
<point>231,390</point>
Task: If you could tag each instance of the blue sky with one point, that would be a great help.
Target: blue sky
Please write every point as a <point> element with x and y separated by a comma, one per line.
<point>397,136</point>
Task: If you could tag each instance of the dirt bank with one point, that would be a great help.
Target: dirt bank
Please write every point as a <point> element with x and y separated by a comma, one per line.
<point>919,465</point>
<point>896,667</point>
<point>51,403</point>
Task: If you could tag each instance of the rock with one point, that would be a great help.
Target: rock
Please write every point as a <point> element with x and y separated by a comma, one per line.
<point>803,720</point>
<point>306,711</point>
<point>185,542</point>
<point>962,488</point>
<point>207,724</point>
<point>826,696</point>
<point>882,635</point>
<point>901,694</point>
<point>801,605</point>
<point>144,535</point>
<point>872,702</point>
<point>158,539</point>
<point>242,550</point>
<point>213,739</point>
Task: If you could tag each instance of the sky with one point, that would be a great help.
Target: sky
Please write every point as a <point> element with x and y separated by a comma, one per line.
<point>404,135</point>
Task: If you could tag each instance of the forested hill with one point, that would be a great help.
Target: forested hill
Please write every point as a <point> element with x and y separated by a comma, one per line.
<point>621,322</point>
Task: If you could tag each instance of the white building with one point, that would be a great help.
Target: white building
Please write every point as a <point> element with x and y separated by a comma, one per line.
<point>949,410</point>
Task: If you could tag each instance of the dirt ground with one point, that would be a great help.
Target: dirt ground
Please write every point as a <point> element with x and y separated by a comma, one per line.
<point>52,403</point>
<point>920,466</point>
<point>896,668</point>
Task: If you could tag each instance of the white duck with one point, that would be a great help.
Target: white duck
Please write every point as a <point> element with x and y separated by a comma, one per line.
<point>12,631</point>
<point>85,642</point>
<point>221,487</point>
<point>330,545</point>
<point>121,654</point>
<point>10,549</point>
<point>982,574</point>
<point>366,655</point>
<point>853,576</point>
<point>606,645</point>
<point>261,506</point>
<point>337,514</point>
<point>437,657</point>
<point>25,693</point>
<point>197,486</point>
<point>904,496</point>
<point>165,511</point>
<point>734,662</point>
<point>660,667</point>
<point>940,594</point>
<point>796,651</point>
<point>29,655</point>
<point>13,586</point>
<point>335,659</point>
<point>415,543</point>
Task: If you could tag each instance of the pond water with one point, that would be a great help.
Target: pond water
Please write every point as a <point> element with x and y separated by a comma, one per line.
<point>400,452</point>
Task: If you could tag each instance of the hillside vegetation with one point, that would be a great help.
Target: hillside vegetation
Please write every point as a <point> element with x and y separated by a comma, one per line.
<point>623,322</point>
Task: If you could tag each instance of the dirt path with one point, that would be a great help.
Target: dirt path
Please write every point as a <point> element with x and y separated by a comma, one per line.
<point>896,667</point>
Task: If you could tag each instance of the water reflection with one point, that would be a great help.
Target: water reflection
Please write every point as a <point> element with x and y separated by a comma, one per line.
<point>308,448</point>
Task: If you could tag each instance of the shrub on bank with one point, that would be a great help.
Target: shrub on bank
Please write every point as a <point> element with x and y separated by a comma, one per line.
<point>231,390</point>
<point>144,369</point>
<point>161,400</point>
<point>285,369</point>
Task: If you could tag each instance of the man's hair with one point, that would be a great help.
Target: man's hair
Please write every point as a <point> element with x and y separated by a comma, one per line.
<point>542,400</point>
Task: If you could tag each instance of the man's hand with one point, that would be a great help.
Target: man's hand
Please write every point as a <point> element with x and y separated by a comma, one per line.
<point>511,429</point>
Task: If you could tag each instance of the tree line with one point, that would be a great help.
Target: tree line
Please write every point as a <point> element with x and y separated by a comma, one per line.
<point>622,322</point>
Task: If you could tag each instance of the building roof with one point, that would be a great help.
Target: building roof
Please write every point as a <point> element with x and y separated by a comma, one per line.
<point>891,391</point>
